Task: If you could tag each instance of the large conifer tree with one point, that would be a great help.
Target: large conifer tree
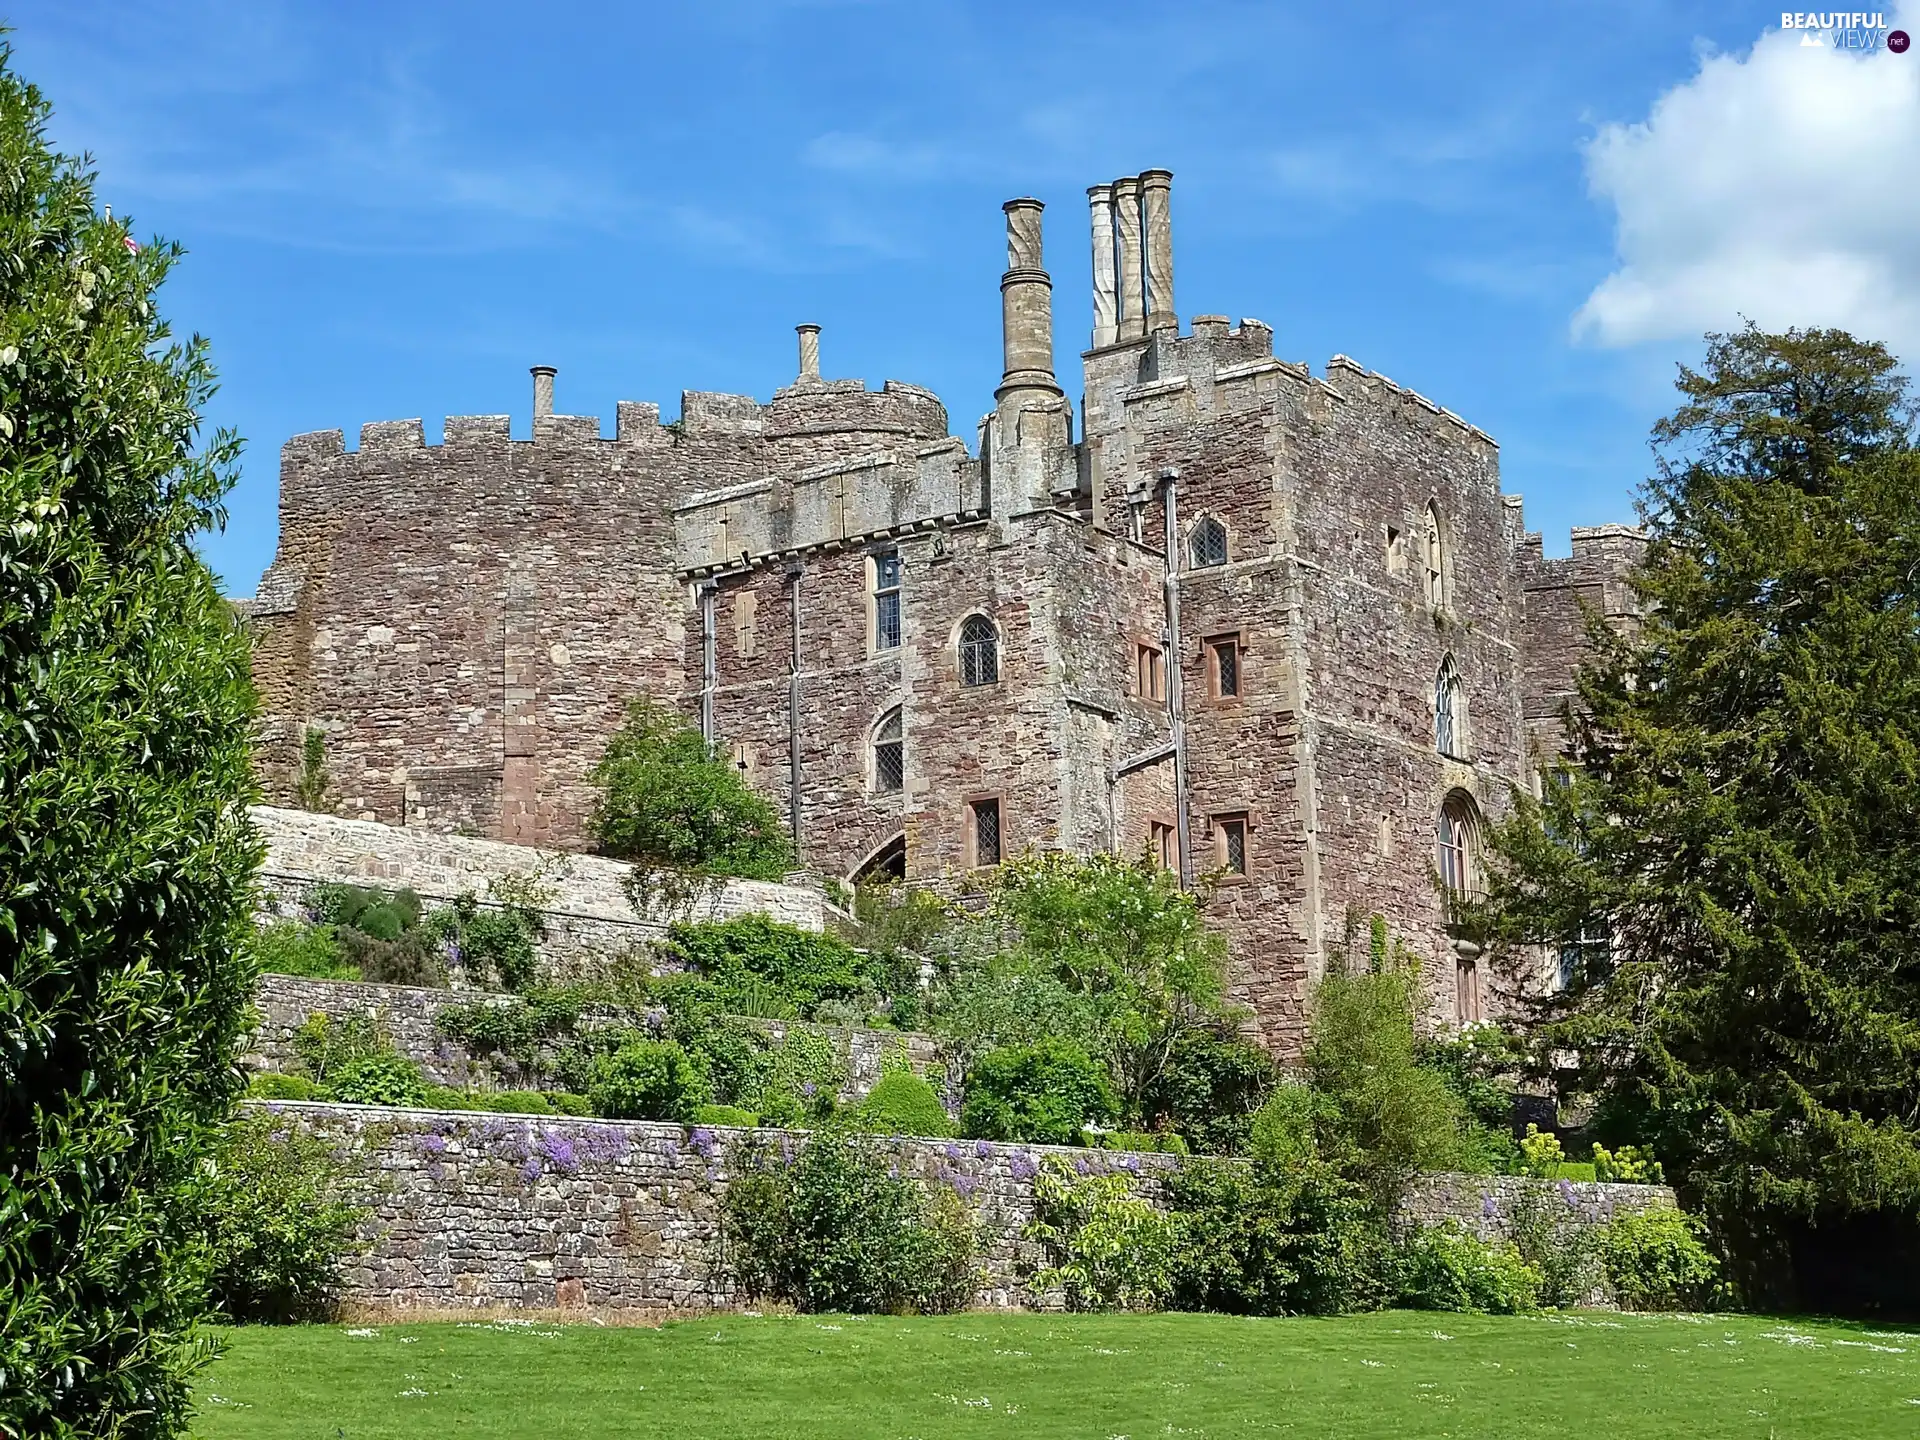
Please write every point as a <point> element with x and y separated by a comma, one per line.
<point>125,851</point>
<point>1743,813</point>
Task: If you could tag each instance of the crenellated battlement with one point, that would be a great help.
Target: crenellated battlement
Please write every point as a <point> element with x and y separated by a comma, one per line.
<point>1373,385</point>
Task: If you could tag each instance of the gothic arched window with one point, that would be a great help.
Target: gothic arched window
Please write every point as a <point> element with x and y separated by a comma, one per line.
<point>1434,558</point>
<point>889,754</point>
<point>1208,544</point>
<point>1449,711</point>
<point>1456,845</point>
<point>979,651</point>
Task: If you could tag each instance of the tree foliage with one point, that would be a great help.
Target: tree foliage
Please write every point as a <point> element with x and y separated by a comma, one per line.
<point>669,803</point>
<point>125,850</point>
<point>1740,813</point>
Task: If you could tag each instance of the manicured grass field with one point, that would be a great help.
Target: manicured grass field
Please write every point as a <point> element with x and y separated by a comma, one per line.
<point>1402,1374</point>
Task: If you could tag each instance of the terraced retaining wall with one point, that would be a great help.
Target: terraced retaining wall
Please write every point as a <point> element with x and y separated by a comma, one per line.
<point>472,1209</point>
<point>406,1013</point>
<point>588,919</point>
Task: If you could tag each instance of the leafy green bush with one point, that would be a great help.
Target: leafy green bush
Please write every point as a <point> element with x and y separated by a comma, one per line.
<point>1260,1240</point>
<point>291,947</point>
<point>1209,1090</point>
<point>901,1103</point>
<point>126,855</point>
<point>1104,1247</point>
<point>517,1038</point>
<point>565,1103</point>
<point>274,1221</point>
<point>1627,1165</point>
<point>1550,1233</point>
<point>325,1043</point>
<point>1045,1093</point>
<point>511,1102</point>
<point>1144,1142</point>
<point>386,1078</point>
<point>751,958</point>
<point>492,944</point>
<point>1540,1154</point>
<point>1448,1267</point>
<point>272,1086</point>
<point>798,1080</point>
<point>669,802</point>
<point>838,1230</point>
<point>1282,1136</point>
<point>380,933</point>
<point>725,1115</point>
<point>1655,1259</point>
<point>646,1080</point>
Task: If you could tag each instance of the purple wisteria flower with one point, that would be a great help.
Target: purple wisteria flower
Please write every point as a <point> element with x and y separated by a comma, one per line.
<point>531,1170</point>
<point>982,1150</point>
<point>953,1154</point>
<point>701,1141</point>
<point>964,1186</point>
<point>1567,1194</point>
<point>1129,1163</point>
<point>1082,1165</point>
<point>605,1144</point>
<point>557,1150</point>
<point>433,1144</point>
<point>1489,1207</point>
<point>1023,1166</point>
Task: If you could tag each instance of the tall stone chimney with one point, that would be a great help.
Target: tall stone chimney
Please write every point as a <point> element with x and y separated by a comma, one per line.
<point>1126,225</point>
<point>809,351</point>
<point>1157,221</point>
<point>542,392</point>
<point>1026,307</point>
<point>1106,323</point>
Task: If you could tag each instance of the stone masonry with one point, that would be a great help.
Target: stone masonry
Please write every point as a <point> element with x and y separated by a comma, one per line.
<point>1278,628</point>
<point>471,1210</point>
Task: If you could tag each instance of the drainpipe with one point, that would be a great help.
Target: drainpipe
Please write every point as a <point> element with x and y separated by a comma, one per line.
<point>1176,706</point>
<point>793,708</point>
<point>708,663</point>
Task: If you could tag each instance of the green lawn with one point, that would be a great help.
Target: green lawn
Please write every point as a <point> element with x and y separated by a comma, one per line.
<point>1401,1374</point>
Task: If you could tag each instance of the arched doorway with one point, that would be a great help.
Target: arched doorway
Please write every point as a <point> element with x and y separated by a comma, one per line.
<point>884,865</point>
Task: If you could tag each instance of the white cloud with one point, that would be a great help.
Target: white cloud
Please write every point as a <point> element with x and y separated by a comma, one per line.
<point>1782,185</point>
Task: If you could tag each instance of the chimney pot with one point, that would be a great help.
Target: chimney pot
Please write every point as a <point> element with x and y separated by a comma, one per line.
<point>809,351</point>
<point>1157,222</point>
<point>1126,219</point>
<point>543,391</point>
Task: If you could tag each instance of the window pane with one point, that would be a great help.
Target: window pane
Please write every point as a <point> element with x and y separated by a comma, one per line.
<point>1209,543</point>
<point>889,766</point>
<point>986,832</point>
<point>1237,846</point>
<point>886,621</point>
<point>979,652</point>
<point>886,572</point>
<point>1226,662</point>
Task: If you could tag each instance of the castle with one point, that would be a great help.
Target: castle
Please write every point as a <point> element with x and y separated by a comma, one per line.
<point>1281,629</point>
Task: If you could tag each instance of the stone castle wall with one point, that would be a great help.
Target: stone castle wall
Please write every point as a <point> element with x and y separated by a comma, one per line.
<point>471,1210</point>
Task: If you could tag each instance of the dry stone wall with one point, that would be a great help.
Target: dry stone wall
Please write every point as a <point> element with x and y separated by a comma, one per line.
<point>588,919</point>
<point>469,1209</point>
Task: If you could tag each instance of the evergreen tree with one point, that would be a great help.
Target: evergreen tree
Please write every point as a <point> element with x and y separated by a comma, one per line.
<point>125,851</point>
<point>1740,811</point>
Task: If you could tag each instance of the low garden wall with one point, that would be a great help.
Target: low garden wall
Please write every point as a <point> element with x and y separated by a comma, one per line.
<point>406,1013</point>
<point>588,918</point>
<point>470,1209</point>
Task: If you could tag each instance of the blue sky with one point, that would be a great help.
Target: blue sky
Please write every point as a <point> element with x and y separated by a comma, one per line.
<point>1528,212</point>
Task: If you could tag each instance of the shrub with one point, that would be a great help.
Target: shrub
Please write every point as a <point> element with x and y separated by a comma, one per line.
<point>284,1087</point>
<point>126,855</point>
<point>901,1103</point>
<point>565,1103</point>
<point>494,944</point>
<point>520,1038</point>
<point>510,1102</point>
<point>838,1230</point>
<point>1552,1236</point>
<point>1045,1093</point>
<point>646,1080</point>
<point>289,947</point>
<point>1628,1165</point>
<point>380,933</point>
<point>725,1115</point>
<point>751,955</point>
<point>1540,1154</point>
<point>1448,1267</point>
<point>1655,1260</point>
<point>387,1078</point>
<point>274,1221</point>
<point>1379,1114</point>
<point>325,1043</point>
<point>1145,1142</point>
<point>1282,1134</point>
<point>1104,1247</point>
<point>1209,1090</point>
<point>669,802</point>
<point>1264,1241</point>
<point>799,1079</point>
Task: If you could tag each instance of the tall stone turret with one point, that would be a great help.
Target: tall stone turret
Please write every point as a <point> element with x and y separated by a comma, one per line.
<point>1028,447</point>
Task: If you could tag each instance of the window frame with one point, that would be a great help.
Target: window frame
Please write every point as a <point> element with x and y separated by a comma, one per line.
<point>1156,692</point>
<point>1450,735</point>
<point>1457,833</point>
<point>1201,525</point>
<point>1220,823</point>
<point>882,597</point>
<point>1433,557</point>
<point>1210,646</point>
<point>1163,841</point>
<point>1469,1000</point>
<point>990,646</point>
<point>876,741</point>
<point>970,839</point>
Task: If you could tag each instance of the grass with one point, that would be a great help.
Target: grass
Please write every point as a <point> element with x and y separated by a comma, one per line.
<point>1400,1374</point>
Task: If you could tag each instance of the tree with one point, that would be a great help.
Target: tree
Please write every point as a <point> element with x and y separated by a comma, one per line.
<point>126,855</point>
<point>1740,808</point>
<point>669,803</point>
<point>1106,950</point>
